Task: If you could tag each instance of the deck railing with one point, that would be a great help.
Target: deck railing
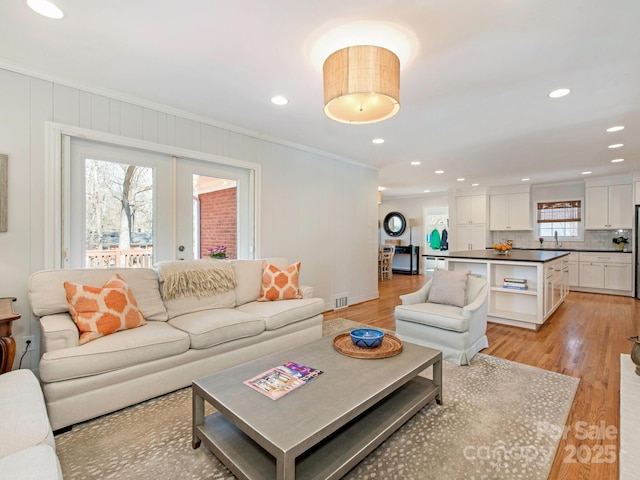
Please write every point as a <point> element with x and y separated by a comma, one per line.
<point>138,258</point>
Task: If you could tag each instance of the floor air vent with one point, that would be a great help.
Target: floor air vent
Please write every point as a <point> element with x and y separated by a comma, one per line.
<point>341,302</point>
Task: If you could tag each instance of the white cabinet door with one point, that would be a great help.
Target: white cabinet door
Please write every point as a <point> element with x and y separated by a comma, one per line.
<point>609,207</point>
<point>596,208</point>
<point>553,279</point>
<point>470,237</point>
<point>499,212</point>
<point>479,209</point>
<point>617,276</point>
<point>463,210</point>
<point>574,274</point>
<point>592,274</point>
<point>548,292</point>
<point>461,240</point>
<point>478,236</point>
<point>519,211</point>
<point>510,212</point>
<point>620,206</point>
<point>471,209</point>
<point>565,279</point>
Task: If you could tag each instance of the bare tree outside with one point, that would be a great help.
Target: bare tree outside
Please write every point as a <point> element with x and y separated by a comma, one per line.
<point>119,216</point>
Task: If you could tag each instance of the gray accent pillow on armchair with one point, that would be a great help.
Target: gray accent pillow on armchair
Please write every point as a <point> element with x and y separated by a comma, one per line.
<point>448,288</point>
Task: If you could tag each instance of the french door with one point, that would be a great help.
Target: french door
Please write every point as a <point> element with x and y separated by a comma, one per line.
<point>130,207</point>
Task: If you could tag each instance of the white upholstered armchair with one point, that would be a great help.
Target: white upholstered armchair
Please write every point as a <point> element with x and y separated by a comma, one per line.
<point>449,313</point>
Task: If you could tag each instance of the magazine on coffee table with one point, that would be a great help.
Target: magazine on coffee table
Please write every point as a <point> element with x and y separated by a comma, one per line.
<point>280,380</point>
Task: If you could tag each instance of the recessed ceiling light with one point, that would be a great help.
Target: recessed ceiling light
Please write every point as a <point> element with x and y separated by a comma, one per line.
<point>377,141</point>
<point>279,100</point>
<point>438,172</point>
<point>460,179</point>
<point>416,163</point>
<point>427,191</point>
<point>475,184</point>
<point>560,92</point>
<point>617,160</point>
<point>616,128</point>
<point>525,179</point>
<point>616,145</point>
<point>43,7</point>
<point>381,188</point>
<point>587,173</point>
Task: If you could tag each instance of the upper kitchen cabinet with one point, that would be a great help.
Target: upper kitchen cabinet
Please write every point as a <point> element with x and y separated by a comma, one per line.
<point>471,209</point>
<point>609,207</point>
<point>510,211</point>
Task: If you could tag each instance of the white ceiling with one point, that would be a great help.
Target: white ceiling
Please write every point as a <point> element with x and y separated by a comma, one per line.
<point>473,99</point>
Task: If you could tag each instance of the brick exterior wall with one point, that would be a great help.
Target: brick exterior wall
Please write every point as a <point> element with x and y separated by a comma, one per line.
<point>218,221</point>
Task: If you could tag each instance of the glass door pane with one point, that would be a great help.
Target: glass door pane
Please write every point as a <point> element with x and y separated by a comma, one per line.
<point>118,215</point>
<point>115,215</point>
<point>215,217</point>
<point>214,213</point>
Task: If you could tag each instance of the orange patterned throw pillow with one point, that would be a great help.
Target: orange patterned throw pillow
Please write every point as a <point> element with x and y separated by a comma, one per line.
<point>99,311</point>
<point>279,284</point>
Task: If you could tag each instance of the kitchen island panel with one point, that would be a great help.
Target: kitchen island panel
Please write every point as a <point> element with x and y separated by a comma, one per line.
<point>528,308</point>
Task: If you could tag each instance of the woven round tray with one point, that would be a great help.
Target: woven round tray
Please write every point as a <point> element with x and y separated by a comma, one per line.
<point>390,347</point>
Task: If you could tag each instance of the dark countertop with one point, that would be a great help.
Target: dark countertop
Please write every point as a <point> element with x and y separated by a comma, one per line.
<point>538,256</point>
<point>562,249</point>
<point>444,253</point>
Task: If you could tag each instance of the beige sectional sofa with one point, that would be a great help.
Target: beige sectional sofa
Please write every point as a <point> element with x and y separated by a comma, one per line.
<point>184,338</point>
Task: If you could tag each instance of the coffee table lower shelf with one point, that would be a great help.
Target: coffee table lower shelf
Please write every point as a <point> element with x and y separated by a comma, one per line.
<point>334,456</point>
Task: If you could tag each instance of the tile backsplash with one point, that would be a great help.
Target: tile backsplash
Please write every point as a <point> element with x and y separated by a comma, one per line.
<point>593,240</point>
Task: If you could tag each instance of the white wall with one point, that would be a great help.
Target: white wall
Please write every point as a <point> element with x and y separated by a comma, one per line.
<point>315,209</point>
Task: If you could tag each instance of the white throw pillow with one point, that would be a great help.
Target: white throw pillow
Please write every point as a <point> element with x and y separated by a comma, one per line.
<point>448,288</point>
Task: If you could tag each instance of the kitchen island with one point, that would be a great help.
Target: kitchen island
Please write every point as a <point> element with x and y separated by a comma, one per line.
<point>543,273</point>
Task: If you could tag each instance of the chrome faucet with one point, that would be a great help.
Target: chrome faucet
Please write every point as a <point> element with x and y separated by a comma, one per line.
<point>555,237</point>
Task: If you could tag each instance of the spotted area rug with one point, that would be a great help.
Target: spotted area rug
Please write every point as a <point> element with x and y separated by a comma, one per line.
<point>498,421</point>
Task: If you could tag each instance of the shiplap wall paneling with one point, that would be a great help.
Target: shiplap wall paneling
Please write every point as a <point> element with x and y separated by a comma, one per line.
<point>66,105</point>
<point>85,109</point>
<point>211,140</point>
<point>100,113</point>
<point>41,110</point>
<point>185,135</point>
<point>150,125</point>
<point>130,120</point>
<point>114,116</point>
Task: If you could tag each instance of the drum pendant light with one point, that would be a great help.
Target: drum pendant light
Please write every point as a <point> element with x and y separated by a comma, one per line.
<point>361,84</point>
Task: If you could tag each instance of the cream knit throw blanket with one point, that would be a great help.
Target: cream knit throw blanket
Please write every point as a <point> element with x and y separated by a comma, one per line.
<point>197,278</point>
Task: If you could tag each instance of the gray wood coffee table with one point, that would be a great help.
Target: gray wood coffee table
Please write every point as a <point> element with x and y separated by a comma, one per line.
<point>322,429</point>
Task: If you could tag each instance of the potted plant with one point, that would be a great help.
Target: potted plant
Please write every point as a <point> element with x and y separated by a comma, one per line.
<point>218,252</point>
<point>620,242</point>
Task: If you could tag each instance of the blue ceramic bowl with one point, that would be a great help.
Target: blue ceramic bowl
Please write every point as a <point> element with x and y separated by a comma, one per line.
<point>367,337</point>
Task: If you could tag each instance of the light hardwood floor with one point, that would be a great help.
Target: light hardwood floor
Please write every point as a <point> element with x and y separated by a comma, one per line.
<point>584,338</point>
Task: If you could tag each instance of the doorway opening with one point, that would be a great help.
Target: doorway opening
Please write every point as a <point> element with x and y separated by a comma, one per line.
<point>436,223</point>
